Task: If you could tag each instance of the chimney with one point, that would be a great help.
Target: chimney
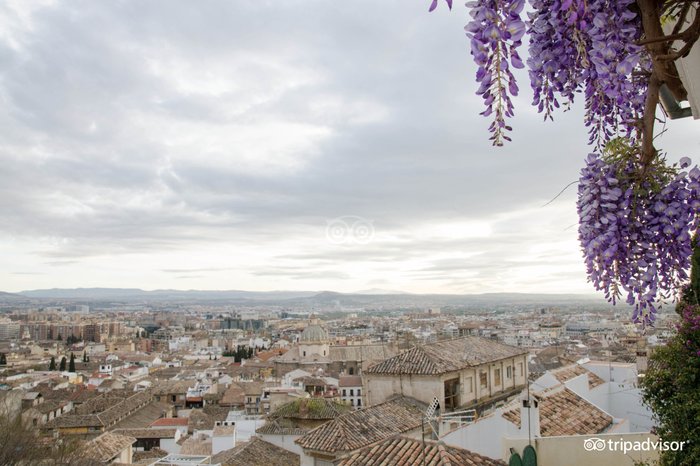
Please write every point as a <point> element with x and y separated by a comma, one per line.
<point>529,416</point>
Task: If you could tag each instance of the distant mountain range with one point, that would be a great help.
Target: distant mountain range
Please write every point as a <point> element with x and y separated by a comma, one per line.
<point>11,297</point>
<point>309,299</point>
<point>130,294</point>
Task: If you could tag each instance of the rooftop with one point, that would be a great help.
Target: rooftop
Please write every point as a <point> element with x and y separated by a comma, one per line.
<point>257,452</point>
<point>350,381</point>
<point>566,373</point>
<point>563,412</point>
<point>357,429</point>
<point>446,356</point>
<point>403,451</point>
<point>170,421</point>
<point>147,433</point>
<point>107,446</point>
<point>310,408</point>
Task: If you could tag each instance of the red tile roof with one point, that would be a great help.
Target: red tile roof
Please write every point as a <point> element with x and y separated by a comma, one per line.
<point>403,451</point>
<point>446,356</point>
<point>563,412</point>
<point>566,373</point>
<point>356,429</point>
<point>256,452</point>
<point>170,421</point>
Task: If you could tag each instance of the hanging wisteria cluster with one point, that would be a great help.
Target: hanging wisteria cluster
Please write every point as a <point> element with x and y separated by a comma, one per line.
<point>636,237</point>
<point>496,32</point>
<point>586,46</point>
<point>591,46</point>
<point>637,215</point>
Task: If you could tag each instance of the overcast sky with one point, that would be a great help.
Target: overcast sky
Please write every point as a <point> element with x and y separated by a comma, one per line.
<point>260,145</point>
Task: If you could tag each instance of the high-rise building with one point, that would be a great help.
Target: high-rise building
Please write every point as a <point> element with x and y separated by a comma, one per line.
<point>91,332</point>
<point>9,330</point>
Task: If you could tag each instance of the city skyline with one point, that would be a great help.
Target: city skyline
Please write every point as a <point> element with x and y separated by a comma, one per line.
<point>288,147</point>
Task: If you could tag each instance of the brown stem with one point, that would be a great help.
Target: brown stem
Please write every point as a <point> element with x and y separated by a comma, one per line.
<point>665,70</point>
<point>652,100</point>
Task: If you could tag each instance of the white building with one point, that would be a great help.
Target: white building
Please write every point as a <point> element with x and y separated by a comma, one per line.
<point>350,387</point>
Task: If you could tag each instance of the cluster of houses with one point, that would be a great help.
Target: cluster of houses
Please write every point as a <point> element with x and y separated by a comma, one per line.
<point>465,400</point>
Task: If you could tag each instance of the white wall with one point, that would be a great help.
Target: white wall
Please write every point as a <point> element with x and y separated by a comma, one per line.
<point>245,428</point>
<point>170,445</point>
<point>284,441</point>
<point>570,450</point>
<point>484,436</point>
<point>221,443</point>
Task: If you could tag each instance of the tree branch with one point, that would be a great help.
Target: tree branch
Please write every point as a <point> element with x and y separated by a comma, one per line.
<point>664,69</point>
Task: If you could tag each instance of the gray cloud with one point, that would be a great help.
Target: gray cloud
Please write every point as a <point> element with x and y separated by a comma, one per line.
<point>140,128</point>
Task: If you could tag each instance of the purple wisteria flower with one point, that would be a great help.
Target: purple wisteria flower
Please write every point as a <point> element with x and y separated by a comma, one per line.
<point>435,4</point>
<point>636,235</point>
<point>495,32</point>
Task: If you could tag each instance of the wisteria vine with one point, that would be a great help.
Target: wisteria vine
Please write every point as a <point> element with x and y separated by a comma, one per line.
<point>636,236</point>
<point>636,214</point>
<point>576,46</point>
<point>496,31</point>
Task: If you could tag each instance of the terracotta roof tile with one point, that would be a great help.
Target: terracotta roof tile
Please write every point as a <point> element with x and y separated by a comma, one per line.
<point>73,420</point>
<point>566,373</point>
<point>170,421</point>
<point>107,446</point>
<point>147,433</point>
<point>357,429</point>
<point>563,412</point>
<point>403,451</point>
<point>257,452</point>
<point>446,356</point>
<point>310,408</point>
<point>350,381</point>
<point>280,427</point>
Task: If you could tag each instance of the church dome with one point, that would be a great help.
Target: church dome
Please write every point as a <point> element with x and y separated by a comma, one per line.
<point>314,333</point>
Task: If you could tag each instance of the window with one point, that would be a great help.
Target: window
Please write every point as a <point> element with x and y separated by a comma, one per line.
<point>359,392</point>
<point>352,402</point>
<point>304,353</point>
<point>497,377</point>
<point>470,384</point>
<point>509,372</point>
<point>359,402</point>
<point>345,392</point>
<point>352,392</point>
<point>351,371</point>
<point>483,379</point>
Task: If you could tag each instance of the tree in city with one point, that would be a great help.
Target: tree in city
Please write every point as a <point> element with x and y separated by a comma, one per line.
<point>71,364</point>
<point>52,364</point>
<point>62,365</point>
<point>671,385</point>
<point>71,340</point>
<point>636,213</point>
<point>21,444</point>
